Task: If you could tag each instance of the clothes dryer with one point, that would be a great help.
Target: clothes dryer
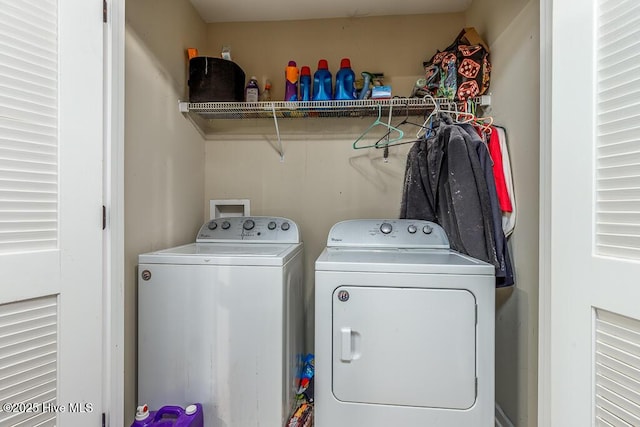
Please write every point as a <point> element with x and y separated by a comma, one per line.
<point>220,322</point>
<point>404,329</point>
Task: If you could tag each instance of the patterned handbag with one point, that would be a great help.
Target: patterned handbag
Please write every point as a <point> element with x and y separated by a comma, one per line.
<point>462,70</point>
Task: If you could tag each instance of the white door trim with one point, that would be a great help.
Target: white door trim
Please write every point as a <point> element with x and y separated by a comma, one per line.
<point>544,289</point>
<point>114,201</point>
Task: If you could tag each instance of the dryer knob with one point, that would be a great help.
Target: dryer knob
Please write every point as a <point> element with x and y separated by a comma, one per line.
<point>226,225</point>
<point>272,225</point>
<point>212,225</point>
<point>249,224</point>
<point>386,228</point>
<point>427,229</point>
<point>285,226</point>
<point>412,229</point>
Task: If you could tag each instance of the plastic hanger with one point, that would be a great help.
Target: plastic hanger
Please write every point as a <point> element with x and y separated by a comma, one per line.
<point>482,126</point>
<point>404,121</point>
<point>457,115</point>
<point>485,124</point>
<point>376,123</point>
<point>460,116</point>
<point>429,132</point>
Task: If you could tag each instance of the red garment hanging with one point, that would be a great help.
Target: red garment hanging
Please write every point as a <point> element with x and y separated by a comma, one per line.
<point>498,171</point>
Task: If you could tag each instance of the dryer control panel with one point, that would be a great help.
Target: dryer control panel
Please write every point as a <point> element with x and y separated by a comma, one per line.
<point>388,233</point>
<point>256,229</point>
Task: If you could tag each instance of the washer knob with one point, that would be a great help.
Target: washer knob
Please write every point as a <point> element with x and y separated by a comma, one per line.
<point>285,226</point>
<point>386,228</point>
<point>212,225</point>
<point>412,229</point>
<point>427,229</point>
<point>272,225</point>
<point>226,225</point>
<point>249,224</point>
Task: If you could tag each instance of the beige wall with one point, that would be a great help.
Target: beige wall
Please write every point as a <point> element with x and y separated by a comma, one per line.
<point>164,166</point>
<point>512,30</point>
<point>395,46</point>
<point>322,179</point>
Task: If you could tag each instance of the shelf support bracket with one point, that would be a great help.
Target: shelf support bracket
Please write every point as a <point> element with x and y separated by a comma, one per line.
<point>275,121</point>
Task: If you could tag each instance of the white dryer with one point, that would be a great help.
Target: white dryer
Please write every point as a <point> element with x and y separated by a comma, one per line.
<point>404,329</point>
<point>220,322</point>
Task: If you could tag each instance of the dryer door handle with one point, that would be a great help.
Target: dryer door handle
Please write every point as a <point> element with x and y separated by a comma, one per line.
<point>346,354</point>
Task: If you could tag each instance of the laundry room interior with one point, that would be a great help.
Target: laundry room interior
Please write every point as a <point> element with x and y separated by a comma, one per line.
<point>313,175</point>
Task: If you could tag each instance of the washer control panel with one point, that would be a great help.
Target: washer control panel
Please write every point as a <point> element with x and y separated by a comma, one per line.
<point>392,233</point>
<point>258,229</point>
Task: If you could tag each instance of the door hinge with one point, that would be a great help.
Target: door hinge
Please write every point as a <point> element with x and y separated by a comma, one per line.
<point>104,217</point>
<point>104,11</point>
<point>104,420</point>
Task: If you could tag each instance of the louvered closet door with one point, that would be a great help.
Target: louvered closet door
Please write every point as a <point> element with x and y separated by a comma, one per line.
<point>595,271</point>
<point>51,146</point>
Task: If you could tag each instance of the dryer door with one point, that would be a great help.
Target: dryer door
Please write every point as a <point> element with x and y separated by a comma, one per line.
<point>404,346</point>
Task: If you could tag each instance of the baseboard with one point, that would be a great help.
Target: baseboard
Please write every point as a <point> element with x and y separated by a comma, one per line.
<point>501,419</point>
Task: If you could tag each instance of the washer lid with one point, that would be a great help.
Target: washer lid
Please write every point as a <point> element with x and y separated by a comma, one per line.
<point>401,260</point>
<point>224,254</point>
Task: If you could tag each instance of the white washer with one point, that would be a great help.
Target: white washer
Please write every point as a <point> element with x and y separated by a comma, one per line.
<point>404,329</point>
<point>220,322</point>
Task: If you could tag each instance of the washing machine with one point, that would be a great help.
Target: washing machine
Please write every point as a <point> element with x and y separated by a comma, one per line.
<point>220,322</point>
<point>404,329</point>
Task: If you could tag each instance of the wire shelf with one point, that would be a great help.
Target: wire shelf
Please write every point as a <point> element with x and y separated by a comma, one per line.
<point>302,109</point>
<point>203,114</point>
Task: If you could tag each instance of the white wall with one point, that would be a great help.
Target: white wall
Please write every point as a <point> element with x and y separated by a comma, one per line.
<point>512,31</point>
<point>164,155</point>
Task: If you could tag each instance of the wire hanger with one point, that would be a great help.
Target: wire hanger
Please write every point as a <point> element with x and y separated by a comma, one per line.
<point>406,121</point>
<point>379,122</point>
<point>430,133</point>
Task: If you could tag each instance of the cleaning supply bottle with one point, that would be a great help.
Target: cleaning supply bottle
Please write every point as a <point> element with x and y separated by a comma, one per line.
<point>305,84</point>
<point>345,79</point>
<point>252,91</point>
<point>365,93</point>
<point>322,85</point>
<point>266,93</point>
<point>144,418</point>
<point>170,416</point>
<point>291,90</point>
